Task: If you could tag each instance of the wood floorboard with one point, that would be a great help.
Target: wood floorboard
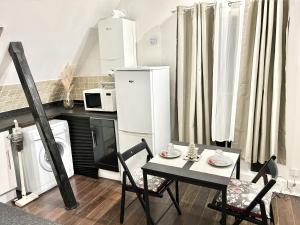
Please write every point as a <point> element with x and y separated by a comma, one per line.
<point>100,205</point>
<point>295,204</point>
<point>286,209</point>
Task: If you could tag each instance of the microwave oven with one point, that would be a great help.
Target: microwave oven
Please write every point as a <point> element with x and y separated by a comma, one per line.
<point>100,99</point>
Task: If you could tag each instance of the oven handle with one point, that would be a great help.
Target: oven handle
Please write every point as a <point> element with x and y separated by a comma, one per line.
<point>94,138</point>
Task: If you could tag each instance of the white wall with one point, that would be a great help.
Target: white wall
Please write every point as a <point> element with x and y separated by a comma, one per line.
<point>151,17</point>
<point>53,33</point>
<point>292,88</point>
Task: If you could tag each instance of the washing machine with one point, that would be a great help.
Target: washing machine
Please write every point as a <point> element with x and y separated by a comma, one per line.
<point>38,173</point>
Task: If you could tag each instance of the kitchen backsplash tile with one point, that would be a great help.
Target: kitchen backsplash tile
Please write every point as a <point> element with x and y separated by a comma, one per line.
<point>83,83</point>
<point>12,96</point>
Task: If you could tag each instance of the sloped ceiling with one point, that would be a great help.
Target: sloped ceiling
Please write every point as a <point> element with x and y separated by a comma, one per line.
<point>52,32</point>
<point>57,32</point>
<point>148,14</point>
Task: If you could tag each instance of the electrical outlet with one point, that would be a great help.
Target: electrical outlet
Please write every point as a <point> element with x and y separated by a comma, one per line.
<point>153,41</point>
<point>294,172</point>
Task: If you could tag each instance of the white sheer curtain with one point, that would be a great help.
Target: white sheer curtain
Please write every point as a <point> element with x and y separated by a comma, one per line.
<point>208,54</point>
<point>227,50</point>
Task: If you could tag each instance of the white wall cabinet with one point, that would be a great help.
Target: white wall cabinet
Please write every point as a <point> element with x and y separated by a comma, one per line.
<point>7,169</point>
<point>117,41</point>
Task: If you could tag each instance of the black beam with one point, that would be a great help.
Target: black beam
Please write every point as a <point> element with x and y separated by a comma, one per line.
<point>17,53</point>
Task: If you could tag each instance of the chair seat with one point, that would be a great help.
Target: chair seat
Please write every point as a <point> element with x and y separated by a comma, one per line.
<point>155,184</point>
<point>241,193</point>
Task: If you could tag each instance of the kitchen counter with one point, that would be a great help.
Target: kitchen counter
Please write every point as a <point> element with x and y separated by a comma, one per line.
<point>52,110</point>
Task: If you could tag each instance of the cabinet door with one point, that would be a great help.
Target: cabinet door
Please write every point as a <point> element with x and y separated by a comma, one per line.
<point>104,144</point>
<point>81,144</point>
<point>7,170</point>
<point>111,39</point>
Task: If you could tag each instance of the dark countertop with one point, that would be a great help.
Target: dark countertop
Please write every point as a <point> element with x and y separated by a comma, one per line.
<point>52,110</point>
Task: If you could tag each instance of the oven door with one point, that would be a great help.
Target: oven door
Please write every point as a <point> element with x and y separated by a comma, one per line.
<point>93,101</point>
<point>104,144</point>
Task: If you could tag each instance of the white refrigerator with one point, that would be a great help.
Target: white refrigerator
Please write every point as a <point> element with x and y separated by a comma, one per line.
<point>143,107</point>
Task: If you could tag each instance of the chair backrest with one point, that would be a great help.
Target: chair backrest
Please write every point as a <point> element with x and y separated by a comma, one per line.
<point>130,153</point>
<point>269,167</point>
<point>136,149</point>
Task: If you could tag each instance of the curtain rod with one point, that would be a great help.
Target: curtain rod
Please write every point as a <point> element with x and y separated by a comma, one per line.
<point>190,7</point>
<point>230,3</point>
<point>185,8</point>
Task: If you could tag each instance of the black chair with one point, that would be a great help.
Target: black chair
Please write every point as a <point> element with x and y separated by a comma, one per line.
<point>157,185</point>
<point>249,200</point>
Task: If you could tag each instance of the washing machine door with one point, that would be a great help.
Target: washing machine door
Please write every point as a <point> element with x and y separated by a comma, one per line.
<point>44,161</point>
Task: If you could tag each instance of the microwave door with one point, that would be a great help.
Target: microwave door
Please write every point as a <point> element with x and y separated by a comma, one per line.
<point>93,100</point>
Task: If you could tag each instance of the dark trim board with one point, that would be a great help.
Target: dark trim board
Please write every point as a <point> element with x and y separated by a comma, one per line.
<point>34,101</point>
<point>17,112</point>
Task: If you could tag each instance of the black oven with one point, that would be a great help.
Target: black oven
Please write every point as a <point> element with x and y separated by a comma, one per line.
<point>104,144</point>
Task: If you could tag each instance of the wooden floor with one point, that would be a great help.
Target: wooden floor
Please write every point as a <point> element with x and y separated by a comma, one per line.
<point>286,209</point>
<point>100,200</point>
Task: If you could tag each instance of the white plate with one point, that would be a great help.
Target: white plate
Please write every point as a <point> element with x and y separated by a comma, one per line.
<point>170,155</point>
<point>219,160</point>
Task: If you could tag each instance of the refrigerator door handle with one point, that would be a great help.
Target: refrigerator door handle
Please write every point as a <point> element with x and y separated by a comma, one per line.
<point>135,133</point>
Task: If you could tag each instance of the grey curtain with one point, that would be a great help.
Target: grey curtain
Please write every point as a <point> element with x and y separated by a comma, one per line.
<point>259,129</point>
<point>194,72</point>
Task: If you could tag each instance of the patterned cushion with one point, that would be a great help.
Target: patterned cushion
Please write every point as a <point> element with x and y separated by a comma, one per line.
<point>241,193</point>
<point>154,183</point>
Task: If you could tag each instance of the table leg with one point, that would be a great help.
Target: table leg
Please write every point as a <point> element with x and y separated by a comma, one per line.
<point>146,198</point>
<point>224,203</point>
<point>177,191</point>
<point>238,168</point>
